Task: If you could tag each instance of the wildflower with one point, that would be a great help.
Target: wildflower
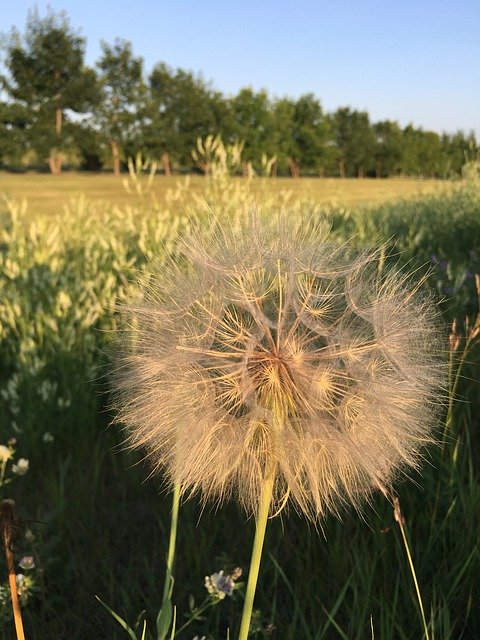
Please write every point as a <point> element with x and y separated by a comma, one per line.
<point>47,437</point>
<point>266,350</point>
<point>27,563</point>
<point>220,585</point>
<point>5,453</point>
<point>24,586</point>
<point>21,467</point>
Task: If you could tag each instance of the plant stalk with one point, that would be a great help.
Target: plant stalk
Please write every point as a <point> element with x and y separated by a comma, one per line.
<point>172,541</point>
<point>262,519</point>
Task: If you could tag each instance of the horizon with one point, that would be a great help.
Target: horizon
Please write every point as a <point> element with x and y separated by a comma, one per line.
<point>394,62</point>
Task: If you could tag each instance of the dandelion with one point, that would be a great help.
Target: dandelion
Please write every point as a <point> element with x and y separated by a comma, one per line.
<point>20,468</point>
<point>268,363</point>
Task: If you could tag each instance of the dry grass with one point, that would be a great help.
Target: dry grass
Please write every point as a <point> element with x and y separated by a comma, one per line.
<point>46,194</point>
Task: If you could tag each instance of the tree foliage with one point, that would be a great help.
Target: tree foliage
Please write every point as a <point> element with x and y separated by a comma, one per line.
<point>47,79</point>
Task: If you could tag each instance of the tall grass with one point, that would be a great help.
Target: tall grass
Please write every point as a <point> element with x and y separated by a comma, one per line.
<point>101,527</point>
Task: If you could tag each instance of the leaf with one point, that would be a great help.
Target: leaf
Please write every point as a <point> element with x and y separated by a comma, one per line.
<point>121,621</point>
<point>164,619</point>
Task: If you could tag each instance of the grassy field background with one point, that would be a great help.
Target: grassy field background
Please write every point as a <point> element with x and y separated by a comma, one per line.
<point>47,194</point>
<point>99,526</point>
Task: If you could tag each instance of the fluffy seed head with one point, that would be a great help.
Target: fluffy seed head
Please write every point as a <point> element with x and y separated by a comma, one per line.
<point>266,342</point>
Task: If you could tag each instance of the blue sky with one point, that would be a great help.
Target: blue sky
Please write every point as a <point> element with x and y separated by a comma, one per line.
<point>411,61</point>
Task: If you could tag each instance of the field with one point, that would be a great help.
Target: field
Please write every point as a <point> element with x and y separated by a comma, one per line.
<point>98,524</point>
<point>47,194</point>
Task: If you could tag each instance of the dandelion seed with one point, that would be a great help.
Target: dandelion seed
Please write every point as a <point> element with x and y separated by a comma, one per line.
<point>266,345</point>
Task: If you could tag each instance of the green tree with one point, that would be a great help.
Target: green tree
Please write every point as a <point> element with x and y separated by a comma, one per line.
<point>121,108</point>
<point>355,141</point>
<point>423,152</point>
<point>48,78</point>
<point>283,111</point>
<point>181,108</point>
<point>14,121</point>
<point>388,149</point>
<point>457,149</point>
<point>310,136</point>
<point>252,123</point>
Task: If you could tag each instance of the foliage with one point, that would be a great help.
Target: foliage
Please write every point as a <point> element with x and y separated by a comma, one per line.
<point>122,95</point>
<point>48,77</point>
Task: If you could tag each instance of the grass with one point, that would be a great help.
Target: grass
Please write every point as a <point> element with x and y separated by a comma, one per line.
<point>101,527</point>
<point>47,194</point>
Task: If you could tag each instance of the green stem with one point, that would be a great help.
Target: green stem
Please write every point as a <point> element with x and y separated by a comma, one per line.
<point>399,519</point>
<point>262,519</point>
<point>172,541</point>
<point>203,607</point>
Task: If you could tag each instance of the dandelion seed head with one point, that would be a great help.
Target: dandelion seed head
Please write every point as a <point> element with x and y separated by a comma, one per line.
<point>267,341</point>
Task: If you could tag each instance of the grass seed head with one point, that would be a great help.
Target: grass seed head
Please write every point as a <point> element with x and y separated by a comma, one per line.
<point>266,341</point>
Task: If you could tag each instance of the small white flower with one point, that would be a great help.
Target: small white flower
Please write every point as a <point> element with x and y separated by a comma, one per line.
<point>47,437</point>
<point>21,467</point>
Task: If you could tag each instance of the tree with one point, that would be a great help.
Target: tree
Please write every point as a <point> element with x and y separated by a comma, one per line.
<point>388,148</point>
<point>122,99</point>
<point>283,143</point>
<point>355,141</point>
<point>252,123</point>
<point>48,78</point>
<point>310,135</point>
<point>182,108</point>
<point>13,122</point>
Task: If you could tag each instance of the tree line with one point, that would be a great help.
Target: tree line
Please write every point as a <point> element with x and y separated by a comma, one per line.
<point>55,110</point>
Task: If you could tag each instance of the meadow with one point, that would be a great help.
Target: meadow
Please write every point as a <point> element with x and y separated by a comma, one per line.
<point>47,194</point>
<point>98,524</point>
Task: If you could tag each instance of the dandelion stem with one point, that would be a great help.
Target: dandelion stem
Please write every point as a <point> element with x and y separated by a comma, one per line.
<point>261,526</point>
<point>172,541</point>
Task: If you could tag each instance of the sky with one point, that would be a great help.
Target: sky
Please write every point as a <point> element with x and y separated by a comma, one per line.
<point>414,61</point>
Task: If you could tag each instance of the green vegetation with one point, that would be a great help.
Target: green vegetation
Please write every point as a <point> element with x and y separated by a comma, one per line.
<point>101,526</point>
<point>55,111</point>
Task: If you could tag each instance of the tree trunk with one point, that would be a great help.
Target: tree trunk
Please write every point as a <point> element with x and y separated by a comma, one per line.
<point>341,168</point>
<point>55,162</point>
<point>321,172</point>
<point>378,169</point>
<point>245,169</point>
<point>294,168</point>
<point>360,173</point>
<point>58,121</point>
<point>167,169</point>
<point>274,170</point>
<point>115,157</point>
